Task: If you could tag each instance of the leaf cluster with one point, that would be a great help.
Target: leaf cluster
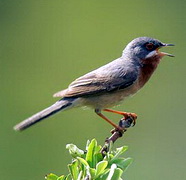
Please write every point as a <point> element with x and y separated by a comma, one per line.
<point>92,165</point>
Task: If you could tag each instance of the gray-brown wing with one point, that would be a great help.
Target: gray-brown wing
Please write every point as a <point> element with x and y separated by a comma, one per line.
<point>82,86</point>
<point>96,82</point>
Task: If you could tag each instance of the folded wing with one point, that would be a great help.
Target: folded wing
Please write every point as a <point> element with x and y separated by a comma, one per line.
<point>102,80</point>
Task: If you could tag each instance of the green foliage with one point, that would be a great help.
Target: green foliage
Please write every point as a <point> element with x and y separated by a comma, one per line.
<point>91,165</point>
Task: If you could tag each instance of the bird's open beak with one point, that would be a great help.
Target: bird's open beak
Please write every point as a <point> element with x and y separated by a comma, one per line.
<point>164,53</point>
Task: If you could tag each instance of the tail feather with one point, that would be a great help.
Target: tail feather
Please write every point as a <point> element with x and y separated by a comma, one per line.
<point>60,105</point>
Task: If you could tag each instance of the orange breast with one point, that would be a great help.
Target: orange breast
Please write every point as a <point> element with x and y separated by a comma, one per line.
<point>147,69</point>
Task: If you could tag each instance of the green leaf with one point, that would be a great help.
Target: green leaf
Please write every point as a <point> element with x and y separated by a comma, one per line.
<point>51,177</point>
<point>111,173</point>
<point>61,177</point>
<point>68,177</point>
<point>90,153</point>
<point>83,162</point>
<point>74,150</point>
<point>121,163</point>
<point>114,173</point>
<point>117,174</point>
<point>80,174</point>
<point>100,167</point>
<point>73,168</point>
<point>97,149</point>
<point>87,145</point>
<point>92,173</point>
<point>104,175</point>
<point>93,165</point>
<point>108,157</point>
<point>120,151</point>
<point>98,157</point>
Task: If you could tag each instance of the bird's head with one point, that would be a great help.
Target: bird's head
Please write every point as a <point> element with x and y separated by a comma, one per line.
<point>145,49</point>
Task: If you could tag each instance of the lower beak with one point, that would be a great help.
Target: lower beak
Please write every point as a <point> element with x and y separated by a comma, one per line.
<point>164,53</point>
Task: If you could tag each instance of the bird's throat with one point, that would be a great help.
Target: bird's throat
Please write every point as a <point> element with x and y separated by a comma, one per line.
<point>148,66</point>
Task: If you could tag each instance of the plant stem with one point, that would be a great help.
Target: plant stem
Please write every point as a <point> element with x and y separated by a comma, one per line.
<point>124,124</point>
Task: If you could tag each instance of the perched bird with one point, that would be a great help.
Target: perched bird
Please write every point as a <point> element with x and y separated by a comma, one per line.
<point>110,84</point>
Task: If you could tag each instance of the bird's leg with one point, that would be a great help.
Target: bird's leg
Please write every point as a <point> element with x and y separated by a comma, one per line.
<point>125,114</point>
<point>98,112</point>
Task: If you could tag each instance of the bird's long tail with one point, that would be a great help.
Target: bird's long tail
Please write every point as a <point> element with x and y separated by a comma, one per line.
<point>60,105</point>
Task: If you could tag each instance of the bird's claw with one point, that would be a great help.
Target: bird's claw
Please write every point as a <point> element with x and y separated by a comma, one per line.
<point>130,117</point>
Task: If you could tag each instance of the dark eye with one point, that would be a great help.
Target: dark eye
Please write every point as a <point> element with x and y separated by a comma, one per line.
<point>149,46</point>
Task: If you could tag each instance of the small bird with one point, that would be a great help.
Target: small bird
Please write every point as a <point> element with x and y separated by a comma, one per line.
<point>110,84</point>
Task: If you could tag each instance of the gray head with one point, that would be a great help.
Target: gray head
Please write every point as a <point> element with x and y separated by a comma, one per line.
<point>145,48</point>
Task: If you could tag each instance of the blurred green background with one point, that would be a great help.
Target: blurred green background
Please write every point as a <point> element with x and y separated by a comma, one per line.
<point>46,44</point>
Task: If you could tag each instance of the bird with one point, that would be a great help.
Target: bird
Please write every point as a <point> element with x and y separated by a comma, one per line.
<point>110,84</point>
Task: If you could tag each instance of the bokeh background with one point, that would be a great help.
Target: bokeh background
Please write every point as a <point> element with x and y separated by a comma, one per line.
<point>45,44</point>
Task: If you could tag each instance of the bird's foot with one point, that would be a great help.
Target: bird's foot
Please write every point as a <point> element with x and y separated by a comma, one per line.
<point>131,116</point>
<point>126,115</point>
<point>127,120</point>
<point>124,123</point>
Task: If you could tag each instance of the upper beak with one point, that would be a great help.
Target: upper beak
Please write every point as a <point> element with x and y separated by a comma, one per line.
<point>164,53</point>
<point>168,44</point>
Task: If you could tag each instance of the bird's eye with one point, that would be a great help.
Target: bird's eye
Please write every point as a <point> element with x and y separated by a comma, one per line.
<point>149,46</point>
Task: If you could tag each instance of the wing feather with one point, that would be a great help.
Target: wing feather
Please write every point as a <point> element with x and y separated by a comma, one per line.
<point>105,79</point>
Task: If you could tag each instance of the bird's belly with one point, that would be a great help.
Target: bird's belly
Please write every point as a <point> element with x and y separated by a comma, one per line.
<point>109,99</point>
